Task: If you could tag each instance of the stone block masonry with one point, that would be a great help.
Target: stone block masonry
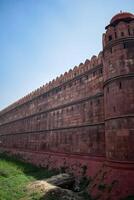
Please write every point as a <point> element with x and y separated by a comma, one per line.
<point>83,119</point>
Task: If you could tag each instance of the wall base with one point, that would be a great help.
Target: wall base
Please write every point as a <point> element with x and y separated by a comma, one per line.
<point>110,181</point>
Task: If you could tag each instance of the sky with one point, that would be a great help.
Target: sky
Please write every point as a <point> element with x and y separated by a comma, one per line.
<point>41,39</point>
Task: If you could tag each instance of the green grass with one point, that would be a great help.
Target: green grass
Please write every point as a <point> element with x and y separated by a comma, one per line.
<point>15,175</point>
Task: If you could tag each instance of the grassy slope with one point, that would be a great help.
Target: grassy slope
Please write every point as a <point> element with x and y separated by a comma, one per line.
<point>15,176</point>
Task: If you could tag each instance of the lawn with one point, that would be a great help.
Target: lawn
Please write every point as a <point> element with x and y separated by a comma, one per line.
<point>15,175</point>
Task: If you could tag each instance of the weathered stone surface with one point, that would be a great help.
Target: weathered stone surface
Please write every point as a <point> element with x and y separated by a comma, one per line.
<point>49,188</point>
<point>84,118</point>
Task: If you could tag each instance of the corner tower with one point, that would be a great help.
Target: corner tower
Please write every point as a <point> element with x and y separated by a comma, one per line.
<point>118,61</point>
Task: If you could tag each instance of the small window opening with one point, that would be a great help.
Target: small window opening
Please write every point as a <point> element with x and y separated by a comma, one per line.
<point>129,32</point>
<point>114,109</point>
<point>120,85</point>
<point>122,34</point>
<point>107,89</point>
<point>110,37</point>
<point>111,50</point>
<point>124,46</point>
<point>115,35</point>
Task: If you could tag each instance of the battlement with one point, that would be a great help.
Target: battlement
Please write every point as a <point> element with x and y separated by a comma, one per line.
<point>72,73</point>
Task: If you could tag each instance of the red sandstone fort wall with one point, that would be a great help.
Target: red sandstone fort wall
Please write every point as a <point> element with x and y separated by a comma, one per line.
<point>84,117</point>
<point>118,62</point>
<point>69,117</point>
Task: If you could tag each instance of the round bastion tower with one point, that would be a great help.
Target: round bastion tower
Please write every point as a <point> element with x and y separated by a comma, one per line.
<point>118,62</point>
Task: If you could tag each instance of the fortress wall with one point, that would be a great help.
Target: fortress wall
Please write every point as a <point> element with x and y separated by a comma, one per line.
<point>67,118</point>
<point>84,118</point>
<point>115,107</point>
<point>85,112</point>
<point>119,141</point>
<point>119,58</point>
<point>84,81</point>
<point>79,140</point>
<point>118,67</point>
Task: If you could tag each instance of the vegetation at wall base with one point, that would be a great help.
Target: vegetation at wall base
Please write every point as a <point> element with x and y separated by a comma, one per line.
<point>15,175</point>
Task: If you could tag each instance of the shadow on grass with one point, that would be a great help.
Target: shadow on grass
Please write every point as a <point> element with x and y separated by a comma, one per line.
<point>29,169</point>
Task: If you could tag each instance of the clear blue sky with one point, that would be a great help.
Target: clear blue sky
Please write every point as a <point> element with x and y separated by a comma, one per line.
<point>40,39</point>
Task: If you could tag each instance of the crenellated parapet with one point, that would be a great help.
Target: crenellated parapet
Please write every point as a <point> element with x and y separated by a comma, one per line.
<point>63,78</point>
